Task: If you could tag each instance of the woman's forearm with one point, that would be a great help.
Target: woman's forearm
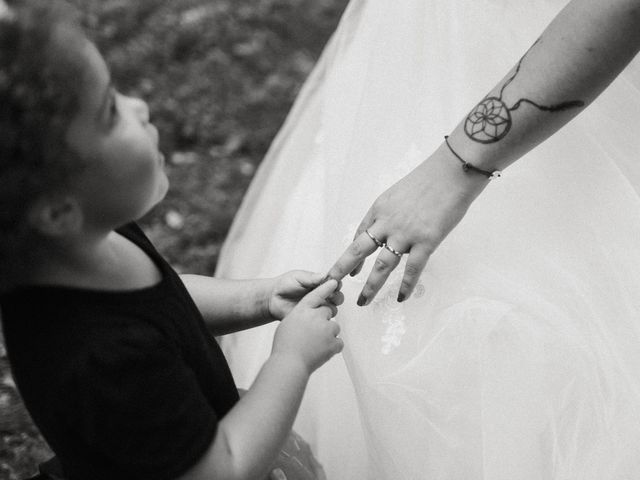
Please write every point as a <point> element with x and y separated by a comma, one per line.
<point>230,305</point>
<point>576,57</point>
<point>585,47</point>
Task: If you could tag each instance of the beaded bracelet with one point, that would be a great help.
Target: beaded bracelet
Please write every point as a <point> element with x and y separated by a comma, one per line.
<point>466,166</point>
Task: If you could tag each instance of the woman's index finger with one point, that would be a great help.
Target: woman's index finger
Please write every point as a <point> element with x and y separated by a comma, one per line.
<point>356,252</point>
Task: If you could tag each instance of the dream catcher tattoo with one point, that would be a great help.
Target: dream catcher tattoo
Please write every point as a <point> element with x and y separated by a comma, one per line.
<point>490,120</point>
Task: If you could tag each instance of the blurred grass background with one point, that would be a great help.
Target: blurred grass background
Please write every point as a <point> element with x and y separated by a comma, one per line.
<point>219,77</point>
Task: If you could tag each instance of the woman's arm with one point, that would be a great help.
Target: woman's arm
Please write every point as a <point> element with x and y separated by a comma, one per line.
<point>577,56</point>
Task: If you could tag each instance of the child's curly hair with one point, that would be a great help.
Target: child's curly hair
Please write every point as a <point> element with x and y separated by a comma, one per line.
<point>38,97</point>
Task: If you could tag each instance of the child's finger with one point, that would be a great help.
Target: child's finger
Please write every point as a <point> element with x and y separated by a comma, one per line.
<point>320,294</point>
<point>310,279</point>
<point>327,310</point>
<point>335,328</point>
<point>337,298</point>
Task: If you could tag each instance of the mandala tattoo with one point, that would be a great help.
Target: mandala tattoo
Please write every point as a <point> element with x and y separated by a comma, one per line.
<point>490,120</point>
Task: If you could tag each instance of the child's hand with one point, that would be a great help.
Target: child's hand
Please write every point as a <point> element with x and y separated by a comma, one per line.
<point>307,334</point>
<point>289,288</point>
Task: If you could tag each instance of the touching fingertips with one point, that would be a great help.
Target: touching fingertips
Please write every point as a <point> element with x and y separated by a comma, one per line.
<point>333,273</point>
<point>322,277</point>
<point>332,283</point>
<point>401,297</point>
<point>337,298</point>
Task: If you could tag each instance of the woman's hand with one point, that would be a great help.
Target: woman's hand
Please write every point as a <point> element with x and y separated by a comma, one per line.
<point>412,217</point>
<point>289,288</point>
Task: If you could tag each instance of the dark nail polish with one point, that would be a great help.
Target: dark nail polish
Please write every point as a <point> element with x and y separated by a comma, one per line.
<point>361,300</point>
<point>401,297</point>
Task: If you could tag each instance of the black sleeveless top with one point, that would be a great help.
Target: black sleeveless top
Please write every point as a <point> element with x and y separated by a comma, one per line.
<point>126,385</point>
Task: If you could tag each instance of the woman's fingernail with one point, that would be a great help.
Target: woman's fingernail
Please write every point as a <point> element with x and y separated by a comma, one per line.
<point>362,300</point>
<point>401,297</point>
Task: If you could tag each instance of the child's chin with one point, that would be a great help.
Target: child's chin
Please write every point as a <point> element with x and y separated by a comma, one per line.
<point>164,188</point>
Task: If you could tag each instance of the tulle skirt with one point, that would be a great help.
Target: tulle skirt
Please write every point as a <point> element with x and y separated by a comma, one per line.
<point>518,357</point>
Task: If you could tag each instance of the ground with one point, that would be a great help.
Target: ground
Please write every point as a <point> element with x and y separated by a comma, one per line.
<point>220,77</point>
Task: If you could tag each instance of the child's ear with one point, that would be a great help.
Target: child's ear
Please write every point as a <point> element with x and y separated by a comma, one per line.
<point>56,216</point>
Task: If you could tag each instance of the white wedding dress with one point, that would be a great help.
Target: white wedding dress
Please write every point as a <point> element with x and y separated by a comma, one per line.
<point>518,357</point>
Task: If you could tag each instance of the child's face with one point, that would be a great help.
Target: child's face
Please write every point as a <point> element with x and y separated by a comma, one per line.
<point>124,175</point>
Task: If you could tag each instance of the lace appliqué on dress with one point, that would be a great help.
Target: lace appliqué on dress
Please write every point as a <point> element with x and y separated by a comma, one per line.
<point>387,308</point>
<point>394,319</point>
<point>392,312</point>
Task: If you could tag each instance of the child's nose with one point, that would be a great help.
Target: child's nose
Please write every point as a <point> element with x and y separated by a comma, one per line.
<point>141,109</point>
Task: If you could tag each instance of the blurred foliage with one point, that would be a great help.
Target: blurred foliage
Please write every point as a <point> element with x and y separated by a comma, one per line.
<point>219,77</point>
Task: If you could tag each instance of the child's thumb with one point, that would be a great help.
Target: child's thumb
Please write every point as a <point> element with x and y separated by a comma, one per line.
<point>311,280</point>
<point>319,295</point>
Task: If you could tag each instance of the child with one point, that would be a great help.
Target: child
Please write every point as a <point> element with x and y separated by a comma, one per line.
<point>108,345</point>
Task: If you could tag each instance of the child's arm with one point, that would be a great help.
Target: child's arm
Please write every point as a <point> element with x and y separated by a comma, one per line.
<point>232,305</point>
<point>250,436</point>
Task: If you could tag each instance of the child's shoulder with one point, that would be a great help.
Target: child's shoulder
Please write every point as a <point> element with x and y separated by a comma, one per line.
<point>83,346</point>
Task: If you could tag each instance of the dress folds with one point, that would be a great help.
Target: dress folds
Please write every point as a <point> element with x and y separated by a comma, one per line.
<point>518,357</point>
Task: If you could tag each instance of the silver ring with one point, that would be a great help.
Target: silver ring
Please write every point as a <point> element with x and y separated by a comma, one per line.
<point>377,242</point>
<point>395,252</point>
